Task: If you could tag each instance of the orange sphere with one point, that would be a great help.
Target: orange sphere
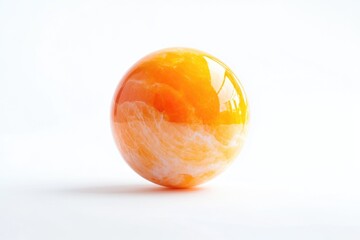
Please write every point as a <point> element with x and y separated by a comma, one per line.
<point>179,117</point>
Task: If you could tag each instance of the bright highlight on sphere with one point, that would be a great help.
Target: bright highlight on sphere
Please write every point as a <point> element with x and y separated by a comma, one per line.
<point>179,117</point>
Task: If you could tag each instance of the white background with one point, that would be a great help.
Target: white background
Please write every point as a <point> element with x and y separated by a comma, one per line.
<point>61,176</point>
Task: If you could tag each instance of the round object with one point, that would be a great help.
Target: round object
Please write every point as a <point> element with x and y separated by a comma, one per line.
<point>179,117</point>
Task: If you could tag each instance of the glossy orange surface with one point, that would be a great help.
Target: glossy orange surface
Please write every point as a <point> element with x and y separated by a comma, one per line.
<point>179,117</point>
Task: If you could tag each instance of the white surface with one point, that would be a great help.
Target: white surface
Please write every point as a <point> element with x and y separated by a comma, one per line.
<point>61,176</point>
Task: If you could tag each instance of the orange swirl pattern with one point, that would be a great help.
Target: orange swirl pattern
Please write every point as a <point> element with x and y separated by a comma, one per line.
<point>179,117</point>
